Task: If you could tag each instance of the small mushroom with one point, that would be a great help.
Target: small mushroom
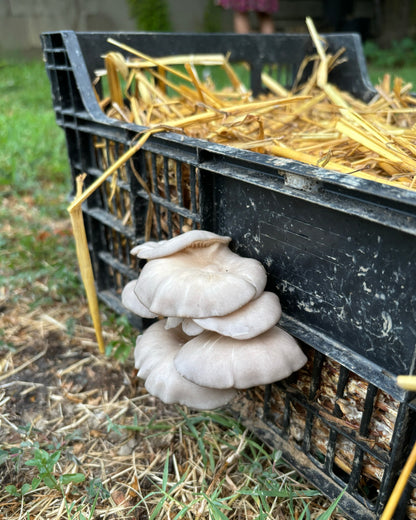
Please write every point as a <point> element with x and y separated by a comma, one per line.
<point>132,303</point>
<point>222,362</point>
<point>190,327</point>
<point>249,321</point>
<point>195,238</point>
<point>172,322</point>
<point>203,280</point>
<point>155,351</point>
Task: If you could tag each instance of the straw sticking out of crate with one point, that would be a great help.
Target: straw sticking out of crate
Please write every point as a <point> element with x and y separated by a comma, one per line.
<point>84,262</point>
<point>84,259</point>
<point>314,122</point>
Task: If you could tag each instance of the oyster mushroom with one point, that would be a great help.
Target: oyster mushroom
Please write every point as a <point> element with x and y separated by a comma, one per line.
<point>191,328</point>
<point>201,277</point>
<point>154,354</point>
<point>132,303</point>
<point>249,321</point>
<point>217,361</point>
<point>195,238</point>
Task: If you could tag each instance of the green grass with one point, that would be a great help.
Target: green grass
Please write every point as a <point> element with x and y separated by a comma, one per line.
<point>407,73</point>
<point>398,60</point>
<point>37,250</point>
<point>33,155</point>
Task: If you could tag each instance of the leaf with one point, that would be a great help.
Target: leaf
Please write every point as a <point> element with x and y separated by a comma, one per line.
<point>25,488</point>
<point>12,490</point>
<point>53,459</point>
<point>166,472</point>
<point>74,478</point>
<point>49,481</point>
<point>327,514</point>
<point>35,482</point>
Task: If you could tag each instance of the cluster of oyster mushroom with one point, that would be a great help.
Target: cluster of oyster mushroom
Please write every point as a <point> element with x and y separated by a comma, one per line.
<point>217,329</point>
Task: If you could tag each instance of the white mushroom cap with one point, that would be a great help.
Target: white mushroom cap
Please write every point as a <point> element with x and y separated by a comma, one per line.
<point>154,354</point>
<point>132,303</point>
<point>221,362</point>
<point>200,282</point>
<point>190,327</point>
<point>195,238</point>
<point>249,321</point>
<point>172,322</point>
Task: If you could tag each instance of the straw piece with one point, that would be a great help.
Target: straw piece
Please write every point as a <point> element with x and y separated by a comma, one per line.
<point>81,242</point>
<point>407,382</point>
<point>372,144</point>
<point>177,59</point>
<point>296,155</point>
<point>245,108</point>
<point>112,65</point>
<point>322,74</point>
<point>235,81</point>
<point>84,261</point>
<point>273,85</point>
<point>399,487</point>
<point>149,59</point>
<point>80,198</point>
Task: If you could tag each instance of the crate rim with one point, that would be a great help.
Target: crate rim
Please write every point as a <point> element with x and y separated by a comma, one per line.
<point>335,181</point>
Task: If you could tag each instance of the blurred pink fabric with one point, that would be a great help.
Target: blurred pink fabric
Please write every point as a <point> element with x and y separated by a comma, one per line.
<point>242,6</point>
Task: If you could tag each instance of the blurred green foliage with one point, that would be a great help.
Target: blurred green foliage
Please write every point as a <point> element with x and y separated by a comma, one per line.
<point>150,15</point>
<point>399,59</point>
<point>401,53</point>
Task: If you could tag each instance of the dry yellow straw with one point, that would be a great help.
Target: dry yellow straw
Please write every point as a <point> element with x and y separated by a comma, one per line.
<point>120,161</point>
<point>81,243</point>
<point>84,261</point>
<point>399,487</point>
<point>408,383</point>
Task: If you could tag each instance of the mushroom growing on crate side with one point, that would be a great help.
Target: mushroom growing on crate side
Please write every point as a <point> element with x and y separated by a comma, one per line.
<point>196,275</point>
<point>132,302</point>
<point>154,354</point>
<point>217,361</point>
<point>254,318</point>
<point>219,333</point>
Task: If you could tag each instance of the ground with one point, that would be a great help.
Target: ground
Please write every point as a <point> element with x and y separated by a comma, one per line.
<point>138,458</point>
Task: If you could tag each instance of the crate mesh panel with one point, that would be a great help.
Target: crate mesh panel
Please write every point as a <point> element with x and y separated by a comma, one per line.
<point>343,423</point>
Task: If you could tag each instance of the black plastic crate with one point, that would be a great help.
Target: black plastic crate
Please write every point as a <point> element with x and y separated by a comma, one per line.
<point>339,252</point>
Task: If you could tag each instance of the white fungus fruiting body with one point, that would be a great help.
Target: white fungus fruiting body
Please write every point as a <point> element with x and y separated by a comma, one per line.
<point>210,359</point>
<point>200,282</point>
<point>219,333</point>
<point>154,354</point>
<point>190,327</point>
<point>195,238</point>
<point>249,321</point>
<point>132,303</point>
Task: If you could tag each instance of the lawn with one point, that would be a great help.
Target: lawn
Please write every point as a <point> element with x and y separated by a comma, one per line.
<point>79,435</point>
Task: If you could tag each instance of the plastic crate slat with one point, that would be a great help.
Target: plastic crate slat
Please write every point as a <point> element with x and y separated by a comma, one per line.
<point>357,363</point>
<point>157,200</point>
<point>355,437</point>
<point>118,266</point>
<point>378,206</point>
<point>109,220</point>
<point>293,455</point>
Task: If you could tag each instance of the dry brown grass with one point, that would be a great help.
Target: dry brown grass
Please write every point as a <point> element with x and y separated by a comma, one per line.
<point>141,459</point>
